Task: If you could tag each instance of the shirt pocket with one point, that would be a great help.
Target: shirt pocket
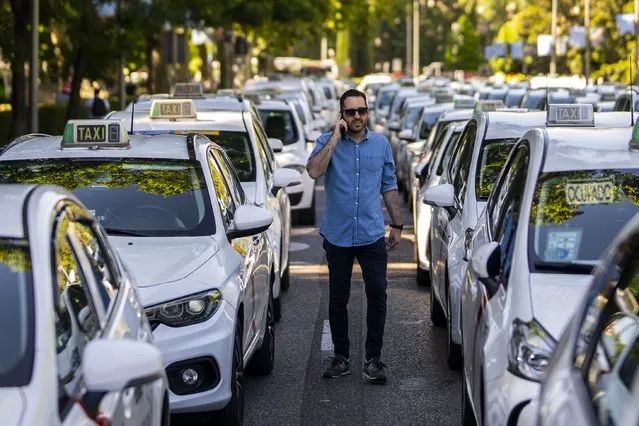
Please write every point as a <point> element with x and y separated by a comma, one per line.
<point>373,164</point>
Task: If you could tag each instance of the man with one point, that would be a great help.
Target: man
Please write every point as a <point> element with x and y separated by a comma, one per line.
<point>358,167</point>
<point>98,107</point>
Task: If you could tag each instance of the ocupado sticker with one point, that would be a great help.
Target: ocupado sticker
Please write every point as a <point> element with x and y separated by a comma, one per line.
<point>597,192</point>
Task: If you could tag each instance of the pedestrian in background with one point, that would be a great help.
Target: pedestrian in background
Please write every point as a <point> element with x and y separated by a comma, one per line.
<point>98,107</point>
<point>358,166</point>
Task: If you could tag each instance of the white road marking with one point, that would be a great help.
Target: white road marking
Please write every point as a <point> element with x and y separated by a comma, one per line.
<point>327,338</point>
<point>295,246</point>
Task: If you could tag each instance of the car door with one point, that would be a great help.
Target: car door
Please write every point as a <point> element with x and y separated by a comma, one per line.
<point>124,318</point>
<point>243,246</point>
<point>260,244</point>
<point>440,222</point>
<point>503,209</point>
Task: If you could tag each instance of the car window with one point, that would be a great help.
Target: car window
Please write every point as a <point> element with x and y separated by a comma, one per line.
<point>501,197</point>
<point>76,320</point>
<point>575,215</point>
<point>238,147</point>
<point>492,156</point>
<point>101,265</point>
<point>230,176</point>
<point>261,143</point>
<point>461,165</point>
<point>224,196</point>
<point>449,152</point>
<point>16,313</point>
<point>509,209</point>
<point>611,367</point>
<point>429,119</point>
<point>280,124</point>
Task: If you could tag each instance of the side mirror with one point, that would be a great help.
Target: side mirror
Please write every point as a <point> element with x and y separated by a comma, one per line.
<point>112,365</point>
<point>406,134</point>
<point>485,264</point>
<point>441,196</point>
<point>317,109</point>
<point>276,144</point>
<point>313,135</point>
<point>285,177</point>
<point>249,220</point>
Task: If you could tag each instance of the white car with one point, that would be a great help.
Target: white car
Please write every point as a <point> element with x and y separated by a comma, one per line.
<point>174,208</point>
<point>241,134</point>
<point>443,150</point>
<point>574,189</point>
<point>482,151</point>
<point>597,353</point>
<point>282,122</point>
<point>77,348</point>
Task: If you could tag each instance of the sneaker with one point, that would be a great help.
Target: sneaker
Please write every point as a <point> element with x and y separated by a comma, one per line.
<point>374,372</point>
<point>338,367</point>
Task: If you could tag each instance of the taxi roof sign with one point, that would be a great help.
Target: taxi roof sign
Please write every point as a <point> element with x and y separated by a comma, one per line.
<point>188,90</point>
<point>465,102</point>
<point>173,108</point>
<point>578,115</point>
<point>485,105</point>
<point>95,134</point>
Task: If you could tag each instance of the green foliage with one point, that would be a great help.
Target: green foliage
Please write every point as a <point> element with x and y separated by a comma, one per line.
<point>15,257</point>
<point>463,50</point>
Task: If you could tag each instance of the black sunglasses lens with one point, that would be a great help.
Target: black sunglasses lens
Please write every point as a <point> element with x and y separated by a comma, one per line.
<point>351,112</point>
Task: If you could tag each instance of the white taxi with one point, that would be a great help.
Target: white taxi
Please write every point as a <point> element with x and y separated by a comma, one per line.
<point>573,188</point>
<point>282,122</point>
<point>174,208</point>
<point>77,348</point>
<point>240,133</point>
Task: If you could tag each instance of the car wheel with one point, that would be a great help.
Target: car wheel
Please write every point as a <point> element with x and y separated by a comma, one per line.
<point>307,216</point>
<point>233,413</point>
<point>277,308</point>
<point>436,312</point>
<point>468,417</point>
<point>423,277</point>
<point>285,281</point>
<point>263,359</point>
<point>453,350</point>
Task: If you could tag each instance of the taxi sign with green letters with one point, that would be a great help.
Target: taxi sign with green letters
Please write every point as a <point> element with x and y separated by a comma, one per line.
<point>187,90</point>
<point>465,102</point>
<point>574,115</point>
<point>173,109</point>
<point>95,134</point>
<point>488,105</point>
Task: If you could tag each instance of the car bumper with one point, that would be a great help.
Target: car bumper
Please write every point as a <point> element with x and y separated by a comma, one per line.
<point>210,339</point>
<point>504,398</point>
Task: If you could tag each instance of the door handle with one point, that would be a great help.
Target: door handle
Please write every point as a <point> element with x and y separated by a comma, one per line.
<point>256,240</point>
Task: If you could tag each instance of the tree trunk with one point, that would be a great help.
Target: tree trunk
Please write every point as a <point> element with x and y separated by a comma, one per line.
<point>21,38</point>
<point>79,65</point>
<point>206,75</point>
<point>150,48</point>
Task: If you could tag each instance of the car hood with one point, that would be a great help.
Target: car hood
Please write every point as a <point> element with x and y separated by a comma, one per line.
<point>555,298</point>
<point>12,405</point>
<point>160,260</point>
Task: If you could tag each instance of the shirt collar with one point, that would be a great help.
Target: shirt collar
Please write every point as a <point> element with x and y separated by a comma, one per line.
<point>348,138</point>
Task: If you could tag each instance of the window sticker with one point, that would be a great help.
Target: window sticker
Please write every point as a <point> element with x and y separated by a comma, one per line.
<point>592,192</point>
<point>562,246</point>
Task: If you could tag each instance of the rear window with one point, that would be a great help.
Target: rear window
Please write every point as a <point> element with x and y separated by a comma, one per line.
<point>280,125</point>
<point>492,157</point>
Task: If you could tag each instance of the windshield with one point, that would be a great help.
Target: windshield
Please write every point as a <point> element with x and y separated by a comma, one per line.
<point>513,99</point>
<point>492,157</point>
<point>429,119</point>
<point>533,101</point>
<point>280,125</point>
<point>16,313</point>
<point>384,98</point>
<point>147,198</point>
<point>576,214</point>
<point>410,119</point>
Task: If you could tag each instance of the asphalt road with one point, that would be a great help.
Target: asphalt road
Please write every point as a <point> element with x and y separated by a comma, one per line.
<point>421,389</point>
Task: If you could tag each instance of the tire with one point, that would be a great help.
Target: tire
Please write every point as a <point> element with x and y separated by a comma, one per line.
<point>306,217</point>
<point>263,359</point>
<point>285,281</point>
<point>233,413</point>
<point>423,277</point>
<point>436,312</point>
<point>453,350</point>
<point>277,308</point>
<point>468,417</point>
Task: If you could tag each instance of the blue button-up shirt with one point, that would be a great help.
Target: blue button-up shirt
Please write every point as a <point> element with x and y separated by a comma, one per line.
<point>356,176</point>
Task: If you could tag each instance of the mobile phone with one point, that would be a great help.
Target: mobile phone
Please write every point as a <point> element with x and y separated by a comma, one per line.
<point>342,128</point>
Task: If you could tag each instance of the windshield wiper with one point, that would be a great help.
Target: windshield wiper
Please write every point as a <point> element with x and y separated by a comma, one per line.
<point>125,232</point>
<point>565,267</point>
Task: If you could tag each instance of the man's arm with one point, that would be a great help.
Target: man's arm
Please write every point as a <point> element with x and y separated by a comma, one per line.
<point>391,200</point>
<point>318,163</point>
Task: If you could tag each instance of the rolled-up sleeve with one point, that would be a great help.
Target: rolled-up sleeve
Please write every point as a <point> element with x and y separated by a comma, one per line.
<point>389,179</point>
<point>319,144</point>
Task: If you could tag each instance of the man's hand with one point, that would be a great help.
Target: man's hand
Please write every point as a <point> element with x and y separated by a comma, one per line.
<point>340,128</point>
<point>394,238</point>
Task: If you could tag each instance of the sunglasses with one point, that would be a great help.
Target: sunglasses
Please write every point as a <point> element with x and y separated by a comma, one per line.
<point>351,111</point>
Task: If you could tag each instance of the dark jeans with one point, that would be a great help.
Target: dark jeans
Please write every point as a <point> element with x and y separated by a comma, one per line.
<point>373,260</point>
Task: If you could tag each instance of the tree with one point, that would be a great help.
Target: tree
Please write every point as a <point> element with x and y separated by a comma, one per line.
<point>463,50</point>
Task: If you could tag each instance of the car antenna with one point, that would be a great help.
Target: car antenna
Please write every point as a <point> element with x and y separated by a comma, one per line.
<point>133,112</point>
<point>632,97</point>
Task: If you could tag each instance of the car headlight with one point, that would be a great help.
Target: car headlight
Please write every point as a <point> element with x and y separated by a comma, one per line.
<point>531,347</point>
<point>186,311</point>
<point>297,167</point>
